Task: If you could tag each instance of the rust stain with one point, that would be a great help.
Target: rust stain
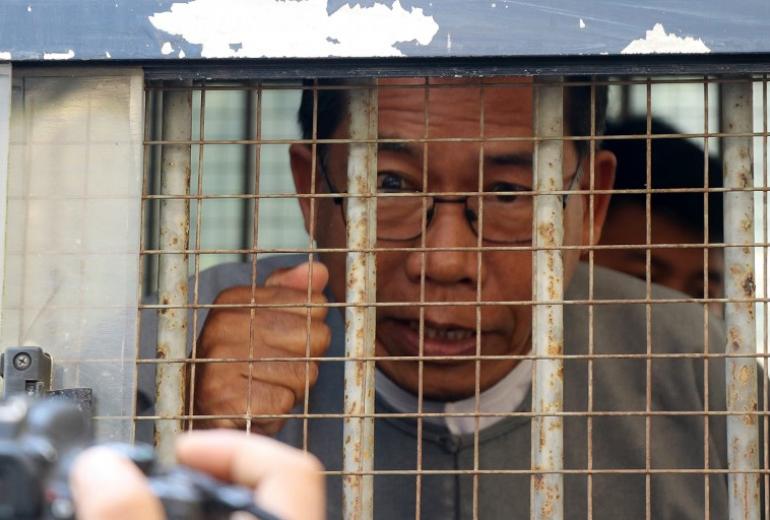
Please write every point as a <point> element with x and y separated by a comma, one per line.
<point>746,224</point>
<point>744,375</point>
<point>554,348</point>
<point>748,285</point>
<point>547,232</point>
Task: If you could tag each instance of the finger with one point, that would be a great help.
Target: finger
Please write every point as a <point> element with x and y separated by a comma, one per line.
<point>288,375</point>
<point>241,397</point>
<point>266,427</point>
<point>294,376</point>
<point>227,405</point>
<point>297,277</point>
<point>243,295</point>
<point>276,334</point>
<point>106,486</point>
<point>288,482</point>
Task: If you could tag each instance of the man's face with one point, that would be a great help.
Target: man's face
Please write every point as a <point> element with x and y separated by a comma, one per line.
<point>678,268</point>
<point>446,276</point>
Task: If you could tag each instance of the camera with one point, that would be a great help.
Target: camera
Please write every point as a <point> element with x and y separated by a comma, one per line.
<point>43,431</point>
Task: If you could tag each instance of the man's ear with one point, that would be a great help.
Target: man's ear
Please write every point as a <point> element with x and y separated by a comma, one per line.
<point>301,160</point>
<point>604,179</point>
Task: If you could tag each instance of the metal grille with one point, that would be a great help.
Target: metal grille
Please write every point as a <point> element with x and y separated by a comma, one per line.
<point>455,279</point>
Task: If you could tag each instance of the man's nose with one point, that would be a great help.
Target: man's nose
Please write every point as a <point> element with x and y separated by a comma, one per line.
<point>449,228</point>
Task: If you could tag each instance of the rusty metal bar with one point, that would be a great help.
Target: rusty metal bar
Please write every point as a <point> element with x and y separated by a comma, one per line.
<point>741,372</point>
<point>172,283</point>
<point>547,489</point>
<point>361,218</point>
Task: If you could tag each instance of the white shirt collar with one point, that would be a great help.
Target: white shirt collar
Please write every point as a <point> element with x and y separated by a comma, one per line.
<point>504,397</point>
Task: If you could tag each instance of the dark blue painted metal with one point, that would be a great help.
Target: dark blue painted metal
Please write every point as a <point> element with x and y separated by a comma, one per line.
<point>120,29</point>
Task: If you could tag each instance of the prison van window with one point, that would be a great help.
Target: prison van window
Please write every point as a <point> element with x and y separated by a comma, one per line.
<point>471,296</point>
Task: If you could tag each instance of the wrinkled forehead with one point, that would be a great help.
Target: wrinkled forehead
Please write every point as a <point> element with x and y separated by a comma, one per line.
<point>455,107</point>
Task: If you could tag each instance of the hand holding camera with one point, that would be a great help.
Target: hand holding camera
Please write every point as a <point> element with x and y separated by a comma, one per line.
<point>48,471</point>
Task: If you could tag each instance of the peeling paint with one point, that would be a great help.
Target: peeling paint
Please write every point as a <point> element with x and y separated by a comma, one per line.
<point>304,28</point>
<point>182,54</point>
<point>59,55</point>
<point>107,54</point>
<point>582,24</point>
<point>5,56</point>
<point>657,41</point>
<point>166,49</point>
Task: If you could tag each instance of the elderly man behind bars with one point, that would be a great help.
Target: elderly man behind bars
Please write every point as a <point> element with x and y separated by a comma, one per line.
<point>616,450</point>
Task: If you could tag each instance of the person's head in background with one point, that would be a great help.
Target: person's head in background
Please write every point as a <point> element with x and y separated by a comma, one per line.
<point>675,218</point>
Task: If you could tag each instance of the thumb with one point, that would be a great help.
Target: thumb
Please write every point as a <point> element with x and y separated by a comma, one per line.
<point>107,486</point>
<point>297,277</point>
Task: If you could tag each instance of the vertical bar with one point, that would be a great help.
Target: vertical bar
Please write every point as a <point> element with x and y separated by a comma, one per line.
<point>765,466</point>
<point>591,208</point>
<point>5,117</point>
<point>254,162</point>
<point>706,345</point>
<point>196,255</point>
<point>421,328</point>
<point>648,305</point>
<point>152,185</point>
<point>741,372</point>
<point>358,425</point>
<point>172,283</point>
<point>547,489</point>
<point>479,278</point>
<point>311,245</point>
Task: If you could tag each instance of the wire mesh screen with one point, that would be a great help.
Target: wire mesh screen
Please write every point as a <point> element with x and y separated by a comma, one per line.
<point>469,297</point>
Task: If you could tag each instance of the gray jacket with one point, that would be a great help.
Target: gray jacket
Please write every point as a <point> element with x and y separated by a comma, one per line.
<point>618,440</point>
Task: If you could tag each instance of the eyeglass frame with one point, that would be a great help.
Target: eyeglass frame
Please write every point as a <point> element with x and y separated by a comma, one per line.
<point>340,201</point>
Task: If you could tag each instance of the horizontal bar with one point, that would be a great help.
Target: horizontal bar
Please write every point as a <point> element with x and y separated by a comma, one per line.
<point>470,357</point>
<point>479,139</point>
<point>489,82</point>
<point>406,415</point>
<point>441,66</point>
<point>458,303</point>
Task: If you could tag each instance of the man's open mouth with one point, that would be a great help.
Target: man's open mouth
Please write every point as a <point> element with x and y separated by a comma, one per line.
<point>442,333</point>
<point>402,337</point>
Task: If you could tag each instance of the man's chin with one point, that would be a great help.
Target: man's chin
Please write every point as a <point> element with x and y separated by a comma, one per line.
<point>449,380</point>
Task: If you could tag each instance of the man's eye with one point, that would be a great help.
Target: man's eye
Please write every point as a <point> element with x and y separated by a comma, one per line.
<point>507,187</point>
<point>390,181</point>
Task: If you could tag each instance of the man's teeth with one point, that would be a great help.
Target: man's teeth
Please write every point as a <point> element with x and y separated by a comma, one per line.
<point>443,333</point>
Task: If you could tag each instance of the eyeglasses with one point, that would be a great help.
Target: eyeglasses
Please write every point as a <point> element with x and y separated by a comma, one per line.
<point>507,216</point>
